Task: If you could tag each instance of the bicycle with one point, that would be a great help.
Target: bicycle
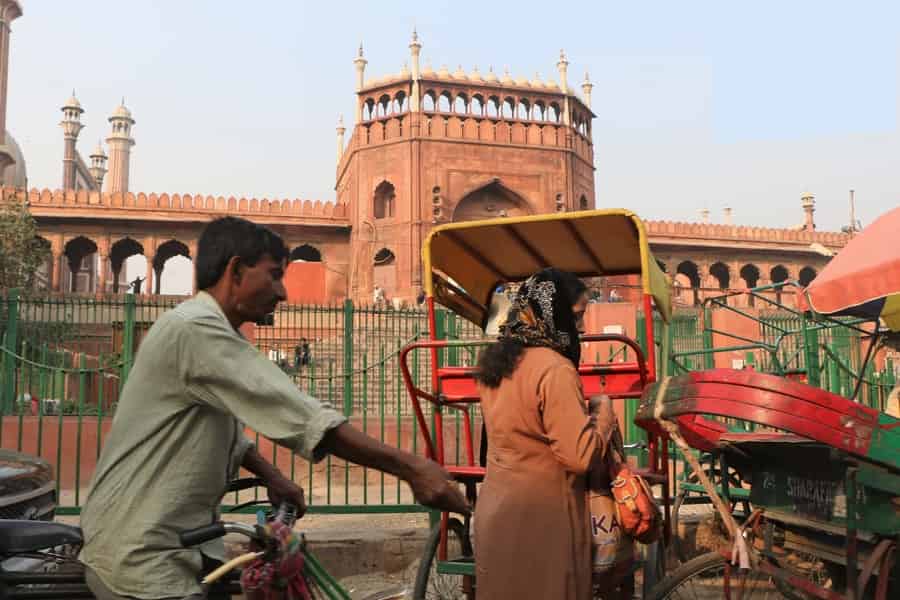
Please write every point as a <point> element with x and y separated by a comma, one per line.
<point>47,568</point>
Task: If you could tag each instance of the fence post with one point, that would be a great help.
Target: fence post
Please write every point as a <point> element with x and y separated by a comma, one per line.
<point>348,357</point>
<point>811,350</point>
<point>709,360</point>
<point>11,345</point>
<point>440,333</point>
<point>127,340</point>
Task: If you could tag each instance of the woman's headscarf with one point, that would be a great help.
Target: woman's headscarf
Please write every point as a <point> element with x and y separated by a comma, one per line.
<point>541,315</point>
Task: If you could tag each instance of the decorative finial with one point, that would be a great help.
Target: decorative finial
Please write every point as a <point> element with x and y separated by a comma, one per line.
<point>73,92</point>
<point>415,35</point>
<point>360,49</point>
<point>587,78</point>
<point>340,120</point>
<point>562,54</point>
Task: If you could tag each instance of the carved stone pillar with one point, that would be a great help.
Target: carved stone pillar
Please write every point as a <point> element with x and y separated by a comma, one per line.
<point>56,253</point>
<point>102,265</point>
<point>150,254</point>
<point>148,279</point>
<point>54,270</point>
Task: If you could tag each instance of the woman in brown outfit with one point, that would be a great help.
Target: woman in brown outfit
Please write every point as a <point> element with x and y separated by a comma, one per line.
<point>532,537</point>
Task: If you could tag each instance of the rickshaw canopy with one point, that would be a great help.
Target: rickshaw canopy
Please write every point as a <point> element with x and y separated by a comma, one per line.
<point>863,280</point>
<point>465,262</point>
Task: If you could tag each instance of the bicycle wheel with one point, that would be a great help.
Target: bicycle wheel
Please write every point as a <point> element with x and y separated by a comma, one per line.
<point>431,585</point>
<point>703,578</point>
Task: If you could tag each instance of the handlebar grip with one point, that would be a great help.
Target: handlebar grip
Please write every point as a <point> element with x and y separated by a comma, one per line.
<point>197,536</point>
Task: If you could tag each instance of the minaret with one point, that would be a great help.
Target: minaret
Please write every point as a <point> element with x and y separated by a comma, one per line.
<point>809,207</point>
<point>9,11</point>
<point>360,63</point>
<point>340,138</point>
<point>414,49</point>
<point>98,165</point>
<point>71,125</point>
<point>704,216</point>
<point>120,143</point>
<point>586,88</point>
<point>563,67</point>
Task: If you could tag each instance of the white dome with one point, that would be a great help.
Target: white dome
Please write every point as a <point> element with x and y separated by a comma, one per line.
<point>14,175</point>
<point>122,112</point>
<point>72,103</point>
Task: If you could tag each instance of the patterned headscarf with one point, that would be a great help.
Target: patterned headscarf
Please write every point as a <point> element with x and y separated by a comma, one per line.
<point>541,315</point>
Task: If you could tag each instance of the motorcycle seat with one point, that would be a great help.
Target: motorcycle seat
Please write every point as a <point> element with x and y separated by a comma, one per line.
<point>19,536</point>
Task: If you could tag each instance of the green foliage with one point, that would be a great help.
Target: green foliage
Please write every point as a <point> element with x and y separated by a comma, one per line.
<point>22,252</point>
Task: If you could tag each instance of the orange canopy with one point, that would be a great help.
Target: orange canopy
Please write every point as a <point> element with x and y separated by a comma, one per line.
<point>863,280</point>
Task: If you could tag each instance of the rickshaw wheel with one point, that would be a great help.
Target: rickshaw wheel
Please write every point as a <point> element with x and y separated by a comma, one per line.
<point>431,585</point>
<point>703,578</point>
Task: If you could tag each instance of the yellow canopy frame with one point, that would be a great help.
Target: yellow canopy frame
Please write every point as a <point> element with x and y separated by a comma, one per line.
<point>465,262</point>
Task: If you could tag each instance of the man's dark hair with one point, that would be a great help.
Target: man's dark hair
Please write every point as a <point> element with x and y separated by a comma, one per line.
<point>228,237</point>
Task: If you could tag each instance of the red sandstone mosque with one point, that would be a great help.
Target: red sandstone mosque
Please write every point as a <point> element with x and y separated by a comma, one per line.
<point>426,147</point>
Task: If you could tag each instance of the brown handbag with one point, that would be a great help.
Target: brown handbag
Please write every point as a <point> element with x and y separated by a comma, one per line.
<point>636,508</point>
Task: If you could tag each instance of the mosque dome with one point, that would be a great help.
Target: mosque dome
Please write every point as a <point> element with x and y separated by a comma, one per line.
<point>15,174</point>
<point>122,112</point>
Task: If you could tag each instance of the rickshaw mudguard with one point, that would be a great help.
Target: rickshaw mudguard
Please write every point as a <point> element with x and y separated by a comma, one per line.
<point>775,402</point>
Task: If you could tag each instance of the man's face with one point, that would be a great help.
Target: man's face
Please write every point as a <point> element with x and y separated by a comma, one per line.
<point>260,288</point>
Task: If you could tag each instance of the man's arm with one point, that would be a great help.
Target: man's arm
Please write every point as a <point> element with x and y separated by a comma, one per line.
<point>431,485</point>
<point>280,487</point>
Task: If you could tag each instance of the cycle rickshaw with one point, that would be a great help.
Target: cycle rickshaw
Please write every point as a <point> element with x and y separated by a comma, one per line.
<point>465,265</point>
<point>821,471</point>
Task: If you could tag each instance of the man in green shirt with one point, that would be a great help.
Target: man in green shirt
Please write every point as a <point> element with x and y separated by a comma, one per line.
<point>177,435</point>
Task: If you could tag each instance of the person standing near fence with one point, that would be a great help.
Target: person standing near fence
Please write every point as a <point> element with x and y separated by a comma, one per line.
<point>532,537</point>
<point>178,434</point>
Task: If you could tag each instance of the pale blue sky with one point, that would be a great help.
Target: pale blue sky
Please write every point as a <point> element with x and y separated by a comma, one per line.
<point>698,103</point>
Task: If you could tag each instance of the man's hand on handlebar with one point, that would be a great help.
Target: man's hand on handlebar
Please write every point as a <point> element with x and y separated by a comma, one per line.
<point>433,487</point>
<point>281,489</point>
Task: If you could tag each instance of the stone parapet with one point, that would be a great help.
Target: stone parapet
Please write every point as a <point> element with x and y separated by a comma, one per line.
<point>660,231</point>
<point>177,207</point>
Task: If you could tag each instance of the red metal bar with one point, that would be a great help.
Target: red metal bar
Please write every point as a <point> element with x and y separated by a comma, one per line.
<point>415,393</point>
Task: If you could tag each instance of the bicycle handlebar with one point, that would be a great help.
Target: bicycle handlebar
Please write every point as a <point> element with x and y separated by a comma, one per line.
<point>195,537</point>
<point>286,513</point>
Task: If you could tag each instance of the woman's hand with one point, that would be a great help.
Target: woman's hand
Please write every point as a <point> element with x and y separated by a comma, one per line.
<point>603,416</point>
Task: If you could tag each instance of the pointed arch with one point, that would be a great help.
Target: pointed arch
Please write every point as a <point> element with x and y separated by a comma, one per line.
<point>489,200</point>
<point>429,101</point>
<point>306,253</point>
<point>688,270</point>
<point>807,274</point>
<point>722,274</point>
<point>383,200</point>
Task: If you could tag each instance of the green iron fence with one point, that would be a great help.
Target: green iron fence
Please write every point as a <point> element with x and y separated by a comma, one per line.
<point>64,360</point>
